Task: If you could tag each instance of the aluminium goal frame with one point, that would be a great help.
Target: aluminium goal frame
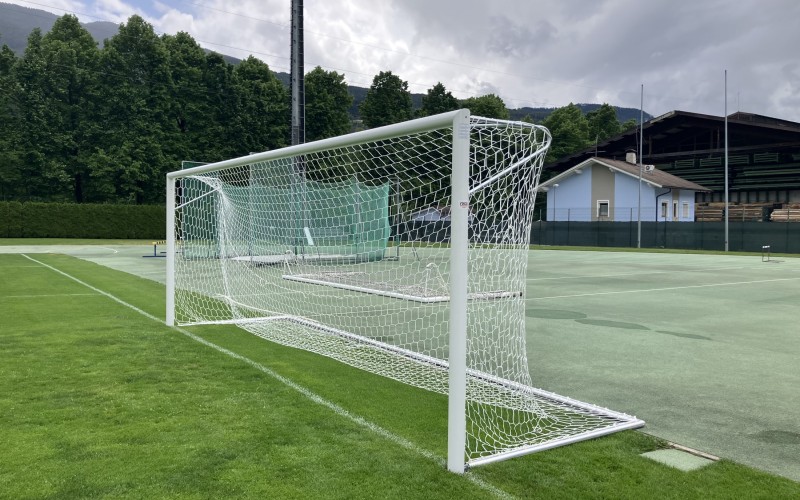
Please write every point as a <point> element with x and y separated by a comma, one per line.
<point>459,120</point>
<point>458,372</point>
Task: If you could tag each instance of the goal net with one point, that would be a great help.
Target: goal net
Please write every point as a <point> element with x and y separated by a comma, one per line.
<point>401,251</point>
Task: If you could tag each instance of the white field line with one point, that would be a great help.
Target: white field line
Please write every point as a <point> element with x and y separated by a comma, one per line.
<point>710,285</point>
<point>105,248</point>
<point>38,296</point>
<point>400,441</point>
<point>641,273</point>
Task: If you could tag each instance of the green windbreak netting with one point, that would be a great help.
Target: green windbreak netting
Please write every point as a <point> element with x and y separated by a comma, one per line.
<point>268,216</point>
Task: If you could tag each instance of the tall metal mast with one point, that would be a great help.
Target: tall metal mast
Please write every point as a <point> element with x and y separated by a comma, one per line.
<point>297,83</point>
<point>297,76</point>
<point>726,160</point>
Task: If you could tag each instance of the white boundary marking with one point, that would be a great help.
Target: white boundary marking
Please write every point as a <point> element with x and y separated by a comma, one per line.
<point>404,443</point>
<point>37,296</point>
<point>676,271</point>
<point>735,283</point>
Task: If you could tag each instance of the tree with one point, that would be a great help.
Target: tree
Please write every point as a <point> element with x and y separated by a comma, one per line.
<point>438,100</point>
<point>263,114</point>
<point>629,124</point>
<point>190,110</point>
<point>71,59</point>
<point>388,101</point>
<point>488,106</point>
<point>603,123</point>
<point>45,177</point>
<point>10,178</point>
<point>569,129</point>
<point>218,141</point>
<point>327,104</point>
<point>135,114</point>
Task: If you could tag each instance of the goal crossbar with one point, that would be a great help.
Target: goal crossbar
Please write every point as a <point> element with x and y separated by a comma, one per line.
<point>363,137</point>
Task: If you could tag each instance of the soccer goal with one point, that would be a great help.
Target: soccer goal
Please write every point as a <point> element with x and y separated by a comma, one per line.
<point>400,250</point>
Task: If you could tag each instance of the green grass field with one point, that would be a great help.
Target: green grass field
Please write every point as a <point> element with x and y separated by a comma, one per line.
<point>98,398</point>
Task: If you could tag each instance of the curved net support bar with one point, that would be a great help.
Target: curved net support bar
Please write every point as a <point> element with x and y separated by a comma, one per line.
<point>431,288</point>
<point>401,251</point>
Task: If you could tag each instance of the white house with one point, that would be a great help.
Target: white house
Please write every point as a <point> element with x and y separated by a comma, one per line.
<point>601,189</point>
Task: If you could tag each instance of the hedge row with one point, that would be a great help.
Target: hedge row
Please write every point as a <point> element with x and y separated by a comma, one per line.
<point>72,220</point>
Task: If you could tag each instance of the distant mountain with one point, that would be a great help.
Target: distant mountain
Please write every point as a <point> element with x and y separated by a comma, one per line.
<point>102,30</point>
<point>17,22</point>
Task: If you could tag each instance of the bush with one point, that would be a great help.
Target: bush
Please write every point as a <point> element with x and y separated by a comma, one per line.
<point>71,220</point>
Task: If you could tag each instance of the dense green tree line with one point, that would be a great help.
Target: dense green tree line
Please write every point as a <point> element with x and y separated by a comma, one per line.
<point>84,124</point>
<point>573,131</point>
<point>388,101</point>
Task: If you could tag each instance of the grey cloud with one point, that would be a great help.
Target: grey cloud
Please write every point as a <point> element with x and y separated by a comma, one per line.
<point>509,39</point>
<point>544,51</point>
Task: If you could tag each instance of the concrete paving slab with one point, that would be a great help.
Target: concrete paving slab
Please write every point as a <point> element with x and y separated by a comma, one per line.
<point>678,459</point>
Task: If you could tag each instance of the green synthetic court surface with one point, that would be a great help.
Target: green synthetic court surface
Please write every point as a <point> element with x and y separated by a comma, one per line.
<point>704,348</point>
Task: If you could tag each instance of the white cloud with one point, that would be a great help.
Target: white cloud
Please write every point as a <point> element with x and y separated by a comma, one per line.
<point>548,52</point>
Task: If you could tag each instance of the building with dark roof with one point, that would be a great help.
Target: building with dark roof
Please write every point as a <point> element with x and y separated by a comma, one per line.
<point>763,155</point>
<point>604,189</point>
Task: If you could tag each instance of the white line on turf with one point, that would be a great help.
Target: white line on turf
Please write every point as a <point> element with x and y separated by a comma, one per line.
<point>591,276</point>
<point>408,445</point>
<point>45,295</point>
<point>661,289</point>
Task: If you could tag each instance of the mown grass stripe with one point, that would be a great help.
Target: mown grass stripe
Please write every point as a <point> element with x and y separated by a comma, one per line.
<point>400,441</point>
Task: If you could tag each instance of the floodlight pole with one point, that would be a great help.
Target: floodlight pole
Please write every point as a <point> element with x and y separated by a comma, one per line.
<point>641,162</point>
<point>726,160</point>
<point>297,75</point>
<point>298,98</point>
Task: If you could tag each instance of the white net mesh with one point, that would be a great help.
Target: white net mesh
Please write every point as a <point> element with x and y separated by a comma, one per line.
<point>345,251</point>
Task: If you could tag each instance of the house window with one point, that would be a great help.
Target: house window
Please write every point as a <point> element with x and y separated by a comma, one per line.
<point>685,210</point>
<point>674,210</point>
<point>602,209</point>
<point>663,209</point>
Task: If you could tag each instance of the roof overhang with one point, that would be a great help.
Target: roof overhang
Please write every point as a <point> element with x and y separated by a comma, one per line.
<point>578,169</point>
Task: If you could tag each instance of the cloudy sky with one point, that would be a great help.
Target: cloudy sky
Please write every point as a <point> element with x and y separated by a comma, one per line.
<point>529,52</point>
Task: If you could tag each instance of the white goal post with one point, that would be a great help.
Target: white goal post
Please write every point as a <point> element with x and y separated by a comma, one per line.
<point>401,251</point>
